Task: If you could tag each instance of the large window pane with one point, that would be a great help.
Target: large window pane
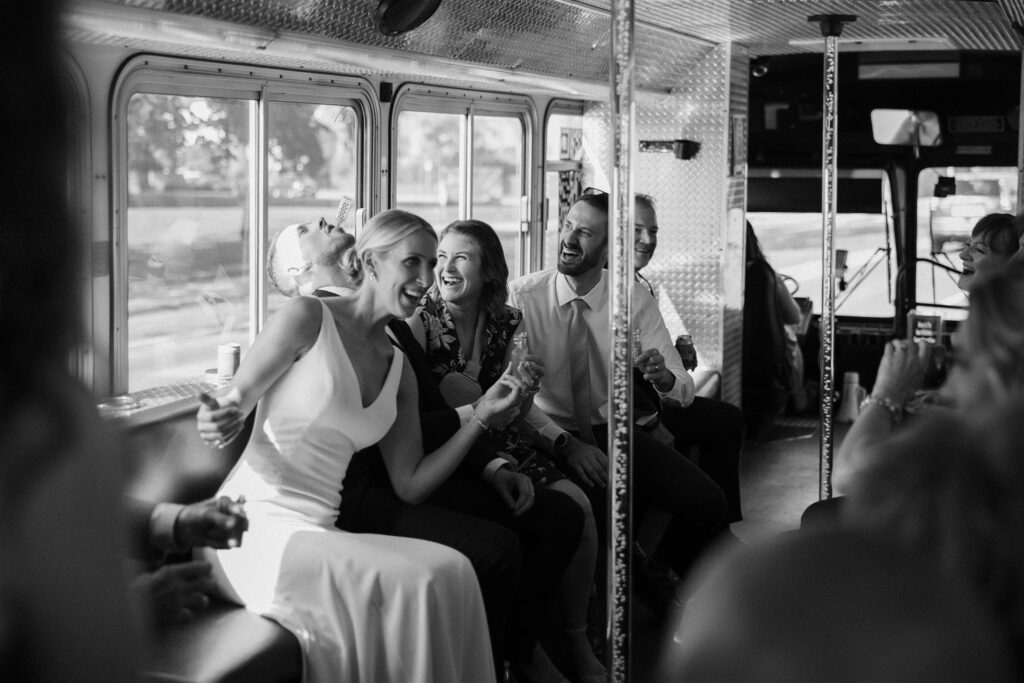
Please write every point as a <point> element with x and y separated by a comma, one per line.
<point>188,269</point>
<point>498,179</point>
<point>944,225</point>
<point>313,163</point>
<point>428,174</point>
<point>792,244</point>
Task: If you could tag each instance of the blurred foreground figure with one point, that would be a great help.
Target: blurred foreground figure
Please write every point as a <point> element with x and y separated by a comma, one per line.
<point>64,612</point>
<point>831,606</point>
<point>951,491</point>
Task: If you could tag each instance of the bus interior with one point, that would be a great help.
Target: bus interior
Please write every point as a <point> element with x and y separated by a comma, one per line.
<point>201,128</point>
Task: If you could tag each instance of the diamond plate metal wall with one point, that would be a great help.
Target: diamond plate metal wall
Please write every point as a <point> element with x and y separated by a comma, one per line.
<point>688,271</point>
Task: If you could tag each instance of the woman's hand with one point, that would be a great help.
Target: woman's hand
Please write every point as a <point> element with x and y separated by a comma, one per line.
<point>901,372</point>
<point>219,420</point>
<point>515,489</point>
<point>500,405</point>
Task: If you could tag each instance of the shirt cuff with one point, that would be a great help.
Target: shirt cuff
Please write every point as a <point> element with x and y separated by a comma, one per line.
<point>492,469</point>
<point>465,414</point>
<point>681,393</point>
<point>549,433</point>
<point>161,527</point>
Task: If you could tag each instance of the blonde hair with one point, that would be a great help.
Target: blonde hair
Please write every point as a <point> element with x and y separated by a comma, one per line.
<point>380,235</point>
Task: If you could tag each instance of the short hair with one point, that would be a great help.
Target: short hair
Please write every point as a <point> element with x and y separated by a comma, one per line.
<point>598,201</point>
<point>647,200</point>
<point>996,321</point>
<point>284,252</point>
<point>380,235</point>
<point>999,231</point>
<point>495,269</point>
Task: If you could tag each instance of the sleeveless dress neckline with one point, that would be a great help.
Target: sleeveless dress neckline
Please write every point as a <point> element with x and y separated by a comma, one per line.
<point>329,321</point>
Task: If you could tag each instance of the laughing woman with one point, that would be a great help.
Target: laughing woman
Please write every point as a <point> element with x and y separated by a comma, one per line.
<point>328,381</point>
<point>467,331</point>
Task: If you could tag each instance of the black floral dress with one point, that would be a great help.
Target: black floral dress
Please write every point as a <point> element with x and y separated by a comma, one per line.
<point>466,379</point>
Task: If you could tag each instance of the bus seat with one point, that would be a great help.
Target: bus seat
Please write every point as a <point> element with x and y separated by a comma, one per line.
<point>708,383</point>
<point>225,644</point>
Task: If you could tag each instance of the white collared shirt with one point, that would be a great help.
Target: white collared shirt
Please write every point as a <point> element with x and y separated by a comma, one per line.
<point>544,298</point>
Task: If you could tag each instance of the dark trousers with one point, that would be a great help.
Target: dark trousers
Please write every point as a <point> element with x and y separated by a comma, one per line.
<point>716,429</point>
<point>518,560</point>
<point>666,480</point>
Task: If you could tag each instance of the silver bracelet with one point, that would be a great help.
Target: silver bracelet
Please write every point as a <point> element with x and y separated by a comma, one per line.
<point>483,425</point>
<point>895,409</point>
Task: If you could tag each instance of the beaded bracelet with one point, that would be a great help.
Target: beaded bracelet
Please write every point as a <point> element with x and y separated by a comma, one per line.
<point>483,425</point>
<point>895,409</point>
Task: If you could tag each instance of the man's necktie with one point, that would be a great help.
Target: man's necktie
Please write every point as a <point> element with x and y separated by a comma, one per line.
<point>579,363</point>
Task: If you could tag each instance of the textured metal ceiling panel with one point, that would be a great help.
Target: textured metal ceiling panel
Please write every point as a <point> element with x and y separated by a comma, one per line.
<point>767,26</point>
<point>531,36</point>
<point>569,38</point>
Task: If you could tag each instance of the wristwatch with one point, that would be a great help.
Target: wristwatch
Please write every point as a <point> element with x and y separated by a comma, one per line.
<point>561,443</point>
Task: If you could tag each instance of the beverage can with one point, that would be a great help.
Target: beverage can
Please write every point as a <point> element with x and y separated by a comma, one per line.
<point>228,358</point>
<point>687,351</point>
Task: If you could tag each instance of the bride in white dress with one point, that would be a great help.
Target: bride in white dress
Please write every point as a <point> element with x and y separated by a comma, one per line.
<point>364,607</point>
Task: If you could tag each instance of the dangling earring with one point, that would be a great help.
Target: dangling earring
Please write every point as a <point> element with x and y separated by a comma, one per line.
<point>373,275</point>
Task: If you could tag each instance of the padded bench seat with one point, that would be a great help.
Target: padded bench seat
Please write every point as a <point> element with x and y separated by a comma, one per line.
<point>225,644</point>
<point>707,382</point>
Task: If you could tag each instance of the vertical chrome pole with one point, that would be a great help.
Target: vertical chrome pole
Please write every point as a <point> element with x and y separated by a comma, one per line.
<point>1020,140</point>
<point>831,27</point>
<point>620,379</point>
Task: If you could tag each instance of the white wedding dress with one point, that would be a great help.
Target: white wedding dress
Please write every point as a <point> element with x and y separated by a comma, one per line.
<point>364,607</point>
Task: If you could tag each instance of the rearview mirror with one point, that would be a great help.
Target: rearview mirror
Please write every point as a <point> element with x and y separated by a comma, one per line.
<point>906,127</point>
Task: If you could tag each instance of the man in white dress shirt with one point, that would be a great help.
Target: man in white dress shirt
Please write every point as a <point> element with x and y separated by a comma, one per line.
<point>571,416</point>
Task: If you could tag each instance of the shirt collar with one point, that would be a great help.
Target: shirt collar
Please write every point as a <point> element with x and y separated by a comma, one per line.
<point>595,298</point>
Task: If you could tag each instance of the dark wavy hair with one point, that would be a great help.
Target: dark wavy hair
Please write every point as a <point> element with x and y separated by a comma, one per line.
<point>493,265</point>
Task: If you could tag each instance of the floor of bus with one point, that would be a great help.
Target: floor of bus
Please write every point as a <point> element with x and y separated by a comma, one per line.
<point>778,480</point>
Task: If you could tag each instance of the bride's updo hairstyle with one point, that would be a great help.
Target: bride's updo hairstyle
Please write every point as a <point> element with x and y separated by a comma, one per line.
<point>380,235</point>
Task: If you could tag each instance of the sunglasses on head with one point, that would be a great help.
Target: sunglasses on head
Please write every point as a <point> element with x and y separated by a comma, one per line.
<point>593,192</point>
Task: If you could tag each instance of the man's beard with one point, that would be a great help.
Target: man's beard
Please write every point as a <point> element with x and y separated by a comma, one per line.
<point>586,263</point>
<point>339,245</point>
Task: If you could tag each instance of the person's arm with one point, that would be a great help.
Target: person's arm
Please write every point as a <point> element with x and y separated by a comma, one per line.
<point>660,362</point>
<point>415,476</point>
<point>899,377</point>
<point>285,339</point>
<point>784,302</point>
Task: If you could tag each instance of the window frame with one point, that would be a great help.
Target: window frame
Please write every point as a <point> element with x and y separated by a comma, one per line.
<point>157,75</point>
<point>557,106</point>
<point>469,103</point>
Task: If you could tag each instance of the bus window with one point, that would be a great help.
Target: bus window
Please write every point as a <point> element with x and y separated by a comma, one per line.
<point>792,243</point>
<point>563,172</point>
<point>436,166</point>
<point>427,181</point>
<point>944,225</point>
<point>188,269</point>
<point>313,162</point>
<point>498,179</point>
